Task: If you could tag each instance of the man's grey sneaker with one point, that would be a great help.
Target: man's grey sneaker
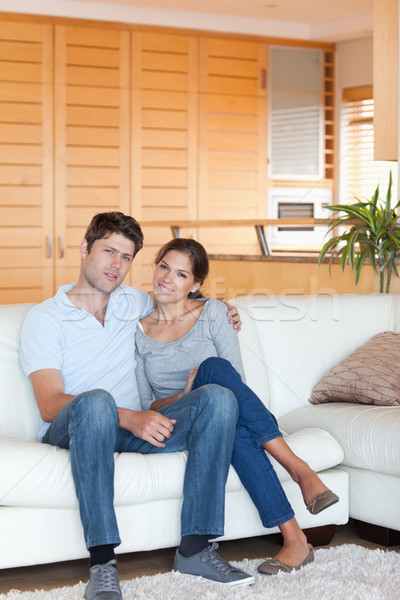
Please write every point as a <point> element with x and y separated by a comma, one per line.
<point>103,583</point>
<point>210,565</point>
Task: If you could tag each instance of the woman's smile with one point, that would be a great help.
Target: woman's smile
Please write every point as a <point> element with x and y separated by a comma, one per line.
<point>173,277</point>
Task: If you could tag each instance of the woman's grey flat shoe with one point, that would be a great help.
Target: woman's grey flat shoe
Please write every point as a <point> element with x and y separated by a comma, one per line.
<point>272,566</point>
<point>324,500</point>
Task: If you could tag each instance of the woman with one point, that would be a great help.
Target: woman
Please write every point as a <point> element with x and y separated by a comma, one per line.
<point>184,343</point>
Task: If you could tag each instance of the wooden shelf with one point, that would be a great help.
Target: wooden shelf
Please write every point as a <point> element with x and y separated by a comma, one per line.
<point>329,113</point>
<point>258,224</point>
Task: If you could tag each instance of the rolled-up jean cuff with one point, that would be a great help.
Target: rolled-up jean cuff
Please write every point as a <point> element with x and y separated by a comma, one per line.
<point>268,438</point>
<point>115,541</point>
<point>279,521</point>
<point>211,534</point>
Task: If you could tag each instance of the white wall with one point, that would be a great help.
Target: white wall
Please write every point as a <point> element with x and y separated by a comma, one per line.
<point>354,63</point>
<point>113,10</point>
<point>333,29</point>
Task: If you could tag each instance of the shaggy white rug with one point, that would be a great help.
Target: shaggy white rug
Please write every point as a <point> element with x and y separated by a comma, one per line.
<point>347,572</point>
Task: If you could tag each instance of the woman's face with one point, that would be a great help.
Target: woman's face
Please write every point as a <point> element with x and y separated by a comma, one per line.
<point>173,278</point>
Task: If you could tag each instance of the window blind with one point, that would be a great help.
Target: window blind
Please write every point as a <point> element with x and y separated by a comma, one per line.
<point>361,173</point>
<point>296,141</point>
<point>295,113</point>
<point>295,210</point>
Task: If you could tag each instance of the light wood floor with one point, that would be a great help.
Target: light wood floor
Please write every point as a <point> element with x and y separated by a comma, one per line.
<point>149,563</point>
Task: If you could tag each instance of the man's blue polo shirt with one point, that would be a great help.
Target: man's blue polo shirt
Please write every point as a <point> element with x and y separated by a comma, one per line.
<point>58,335</point>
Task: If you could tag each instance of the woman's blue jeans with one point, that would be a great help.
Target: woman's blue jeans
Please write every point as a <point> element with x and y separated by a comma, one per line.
<point>205,426</point>
<point>255,426</point>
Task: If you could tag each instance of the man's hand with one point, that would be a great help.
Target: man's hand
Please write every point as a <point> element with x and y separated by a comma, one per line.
<point>147,425</point>
<point>233,315</point>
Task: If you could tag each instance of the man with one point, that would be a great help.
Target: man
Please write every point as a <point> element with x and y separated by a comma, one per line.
<point>78,350</point>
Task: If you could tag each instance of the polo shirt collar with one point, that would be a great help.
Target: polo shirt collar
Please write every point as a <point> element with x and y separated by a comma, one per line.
<point>69,308</point>
<point>63,302</point>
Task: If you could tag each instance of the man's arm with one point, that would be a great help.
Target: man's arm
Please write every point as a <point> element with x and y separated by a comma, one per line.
<point>233,315</point>
<point>48,388</point>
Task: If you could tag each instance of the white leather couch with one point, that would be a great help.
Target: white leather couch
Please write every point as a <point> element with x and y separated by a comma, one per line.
<point>300,339</point>
<point>39,520</point>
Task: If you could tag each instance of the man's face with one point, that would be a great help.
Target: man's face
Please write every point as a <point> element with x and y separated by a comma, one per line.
<point>104,268</point>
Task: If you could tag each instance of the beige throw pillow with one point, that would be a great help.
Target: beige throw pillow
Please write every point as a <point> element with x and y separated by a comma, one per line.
<point>370,375</point>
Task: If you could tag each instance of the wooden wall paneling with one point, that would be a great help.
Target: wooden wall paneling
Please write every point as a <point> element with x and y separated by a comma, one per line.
<point>60,156</point>
<point>137,154</point>
<point>386,78</point>
<point>262,99</point>
<point>232,130</point>
<point>26,211</point>
<point>155,123</point>
<point>138,272</point>
<point>92,134</point>
<point>48,273</point>
<point>232,278</point>
<point>164,136</point>
<point>124,123</point>
<point>193,130</point>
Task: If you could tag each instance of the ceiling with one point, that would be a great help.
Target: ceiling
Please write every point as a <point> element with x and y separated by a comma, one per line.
<point>308,11</point>
<point>329,20</point>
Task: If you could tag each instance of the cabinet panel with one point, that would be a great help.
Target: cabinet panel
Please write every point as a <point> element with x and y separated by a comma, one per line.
<point>156,124</point>
<point>20,132</point>
<point>232,138</point>
<point>164,135</point>
<point>29,113</point>
<point>21,91</point>
<point>26,209</point>
<point>386,77</point>
<point>24,51</point>
<point>91,133</point>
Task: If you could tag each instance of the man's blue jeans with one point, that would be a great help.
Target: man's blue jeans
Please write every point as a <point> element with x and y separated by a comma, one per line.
<point>255,426</point>
<point>205,426</point>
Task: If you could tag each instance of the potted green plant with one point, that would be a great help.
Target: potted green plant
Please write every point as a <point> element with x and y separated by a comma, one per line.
<point>372,231</point>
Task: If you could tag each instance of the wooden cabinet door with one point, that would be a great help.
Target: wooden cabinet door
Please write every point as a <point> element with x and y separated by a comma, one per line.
<point>164,137</point>
<point>232,140</point>
<point>386,78</point>
<point>92,155</point>
<point>26,155</point>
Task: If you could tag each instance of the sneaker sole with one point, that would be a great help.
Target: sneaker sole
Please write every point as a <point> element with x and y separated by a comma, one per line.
<point>239,583</point>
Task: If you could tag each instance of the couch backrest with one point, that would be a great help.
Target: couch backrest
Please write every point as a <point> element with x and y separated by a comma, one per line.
<point>19,415</point>
<point>298,338</point>
<point>287,344</point>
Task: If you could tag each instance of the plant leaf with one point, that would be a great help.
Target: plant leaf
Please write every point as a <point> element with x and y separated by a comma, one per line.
<point>359,262</point>
<point>350,246</point>
<point>389,193</point>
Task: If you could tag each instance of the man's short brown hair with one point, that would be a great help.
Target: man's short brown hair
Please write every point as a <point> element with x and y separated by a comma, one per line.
<point>104,224</point>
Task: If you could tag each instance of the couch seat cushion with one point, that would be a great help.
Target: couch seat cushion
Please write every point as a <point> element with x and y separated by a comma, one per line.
<point>369,435</point>
<point>39,475</point>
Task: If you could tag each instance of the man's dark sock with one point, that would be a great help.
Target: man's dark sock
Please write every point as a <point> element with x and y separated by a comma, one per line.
<point>100,555</point>
<point>192,544</point>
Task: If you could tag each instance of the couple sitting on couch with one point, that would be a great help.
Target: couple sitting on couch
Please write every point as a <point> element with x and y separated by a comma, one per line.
<point>185,393</point>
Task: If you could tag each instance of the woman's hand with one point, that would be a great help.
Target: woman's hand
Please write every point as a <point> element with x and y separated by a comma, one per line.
<point>157,404</point>
<point>189,382</point>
